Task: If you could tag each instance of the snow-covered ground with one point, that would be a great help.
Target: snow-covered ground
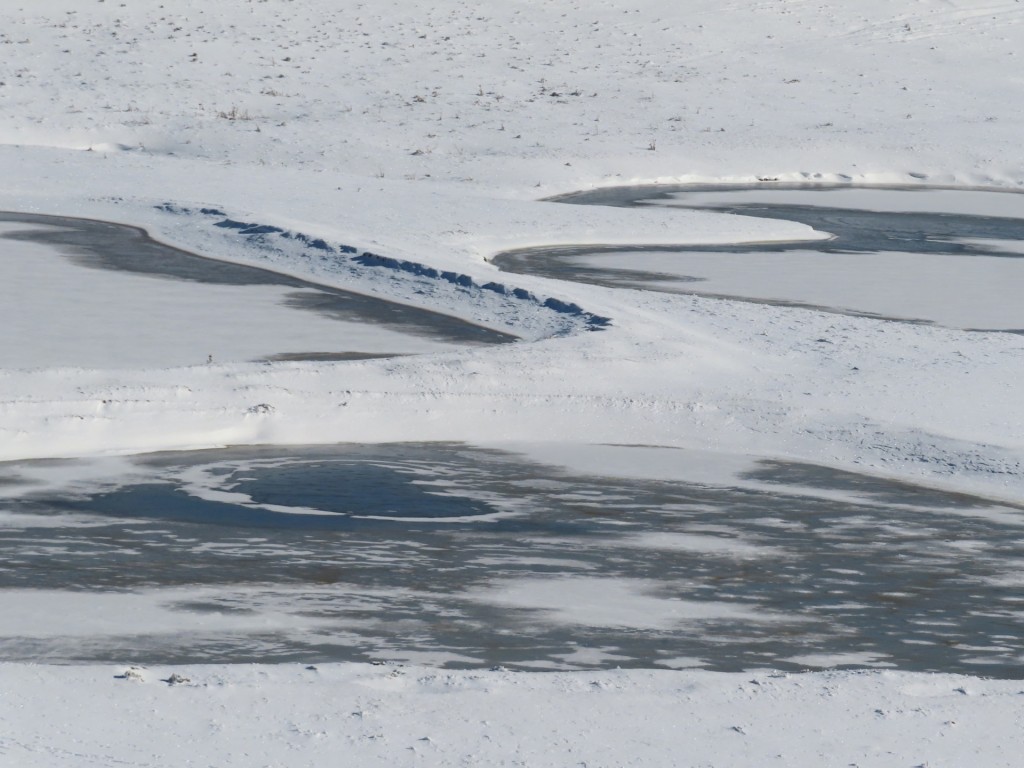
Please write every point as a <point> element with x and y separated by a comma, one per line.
<point>392,149</point>
<point>392,715</point>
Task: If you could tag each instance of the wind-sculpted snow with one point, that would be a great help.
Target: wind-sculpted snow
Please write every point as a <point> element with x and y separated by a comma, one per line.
<point>271,243</point>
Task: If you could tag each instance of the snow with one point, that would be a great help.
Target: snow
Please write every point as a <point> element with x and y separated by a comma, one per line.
<point>426,136</point>
<point>406,715</point>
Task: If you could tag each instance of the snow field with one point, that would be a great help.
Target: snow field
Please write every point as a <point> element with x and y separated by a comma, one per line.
<point>396,715</point>
<point>506,96</point>
<point>427,134</point>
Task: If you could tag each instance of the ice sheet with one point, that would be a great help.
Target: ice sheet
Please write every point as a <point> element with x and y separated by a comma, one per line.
<point>954,291</point>
<point>58,314</point>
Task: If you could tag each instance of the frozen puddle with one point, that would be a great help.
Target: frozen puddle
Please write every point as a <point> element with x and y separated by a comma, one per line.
<point>461,556</point>
<point>951,257</point>
<point>81,293</point>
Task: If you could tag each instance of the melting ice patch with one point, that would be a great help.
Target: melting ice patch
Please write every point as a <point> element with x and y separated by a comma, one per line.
<point>610,602</point>
<point>834,660</point>
<point>723,546</point>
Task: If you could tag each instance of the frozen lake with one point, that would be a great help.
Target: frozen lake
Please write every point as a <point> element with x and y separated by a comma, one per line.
<point>462,556</point>
<point>954,258</point>
<point>458,555</point>
<point>82,293</point>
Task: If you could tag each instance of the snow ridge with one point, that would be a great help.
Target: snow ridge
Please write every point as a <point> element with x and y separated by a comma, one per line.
<point>532,316</point>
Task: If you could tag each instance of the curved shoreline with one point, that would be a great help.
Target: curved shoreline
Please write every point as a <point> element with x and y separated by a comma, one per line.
<point>733,186</point>
<point>853,230</point>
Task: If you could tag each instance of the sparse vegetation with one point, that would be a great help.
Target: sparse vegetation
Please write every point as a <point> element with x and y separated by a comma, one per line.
<point>234,114</point>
